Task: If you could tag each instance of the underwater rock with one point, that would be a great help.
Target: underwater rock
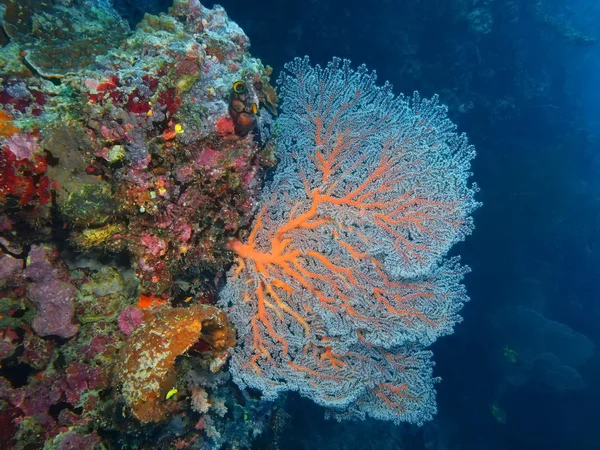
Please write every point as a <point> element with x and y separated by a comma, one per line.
<point>142,163</point>
<point>84,199</point>
<point>47,391</point>
<point>57,39</point>
<point>10,269</point>
<point>70,440</point>
<point>8,343</point>
<point>37,352</point>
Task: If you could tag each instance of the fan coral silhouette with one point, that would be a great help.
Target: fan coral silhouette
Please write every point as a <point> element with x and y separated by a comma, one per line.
<point>342,283</point>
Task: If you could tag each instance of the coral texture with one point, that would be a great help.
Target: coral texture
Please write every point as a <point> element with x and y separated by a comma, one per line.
<point>144,367</point>
<point>52,296</point>
<point>118,141</point>
<point>134,149</point>
<point>130,319</point>
<point>342,283</point>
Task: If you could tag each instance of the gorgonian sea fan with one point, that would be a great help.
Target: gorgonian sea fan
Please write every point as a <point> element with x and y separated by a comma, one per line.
<point>342,283</point>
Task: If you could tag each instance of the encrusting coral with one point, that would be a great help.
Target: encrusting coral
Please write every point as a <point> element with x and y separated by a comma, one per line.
<point>52,296</point>
<point>144,370</point>
<point>135,148</point>
<point>122,178</point>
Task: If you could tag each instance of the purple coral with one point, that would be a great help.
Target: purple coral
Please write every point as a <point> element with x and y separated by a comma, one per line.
<point>49,389</point>
<point>52,297</point>
<point>71,441</point>
<point>9,269</point>
<point>23,146</point>
<point>129,320</point>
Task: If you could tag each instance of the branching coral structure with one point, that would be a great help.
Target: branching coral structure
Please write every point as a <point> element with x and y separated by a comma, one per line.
<point>342,282</point>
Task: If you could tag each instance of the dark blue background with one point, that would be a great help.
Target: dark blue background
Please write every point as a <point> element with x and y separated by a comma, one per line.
<point>522,79</point>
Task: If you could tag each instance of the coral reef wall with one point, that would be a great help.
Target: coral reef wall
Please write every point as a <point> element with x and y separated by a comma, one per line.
<point>128,160</point>
<point>142,149</point>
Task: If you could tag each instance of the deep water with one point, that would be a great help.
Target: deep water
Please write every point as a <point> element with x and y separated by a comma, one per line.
<point>521,78</point>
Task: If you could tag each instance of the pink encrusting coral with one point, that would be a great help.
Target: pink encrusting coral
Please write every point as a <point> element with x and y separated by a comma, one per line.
<point>130,319</point>
<point>52,296</point>
<point>155,127</point>
<point>341,284</point>
<point>53,388</point>
<point>23,146</point>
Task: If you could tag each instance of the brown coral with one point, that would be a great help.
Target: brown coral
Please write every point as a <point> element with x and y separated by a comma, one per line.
<point>144,368</point>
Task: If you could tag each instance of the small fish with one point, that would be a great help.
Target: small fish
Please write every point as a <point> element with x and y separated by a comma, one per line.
<point>498,413</point>
<point>239,87</point>
<point>187,300</point>
<point>171,393</point>
<point>510,354</point>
